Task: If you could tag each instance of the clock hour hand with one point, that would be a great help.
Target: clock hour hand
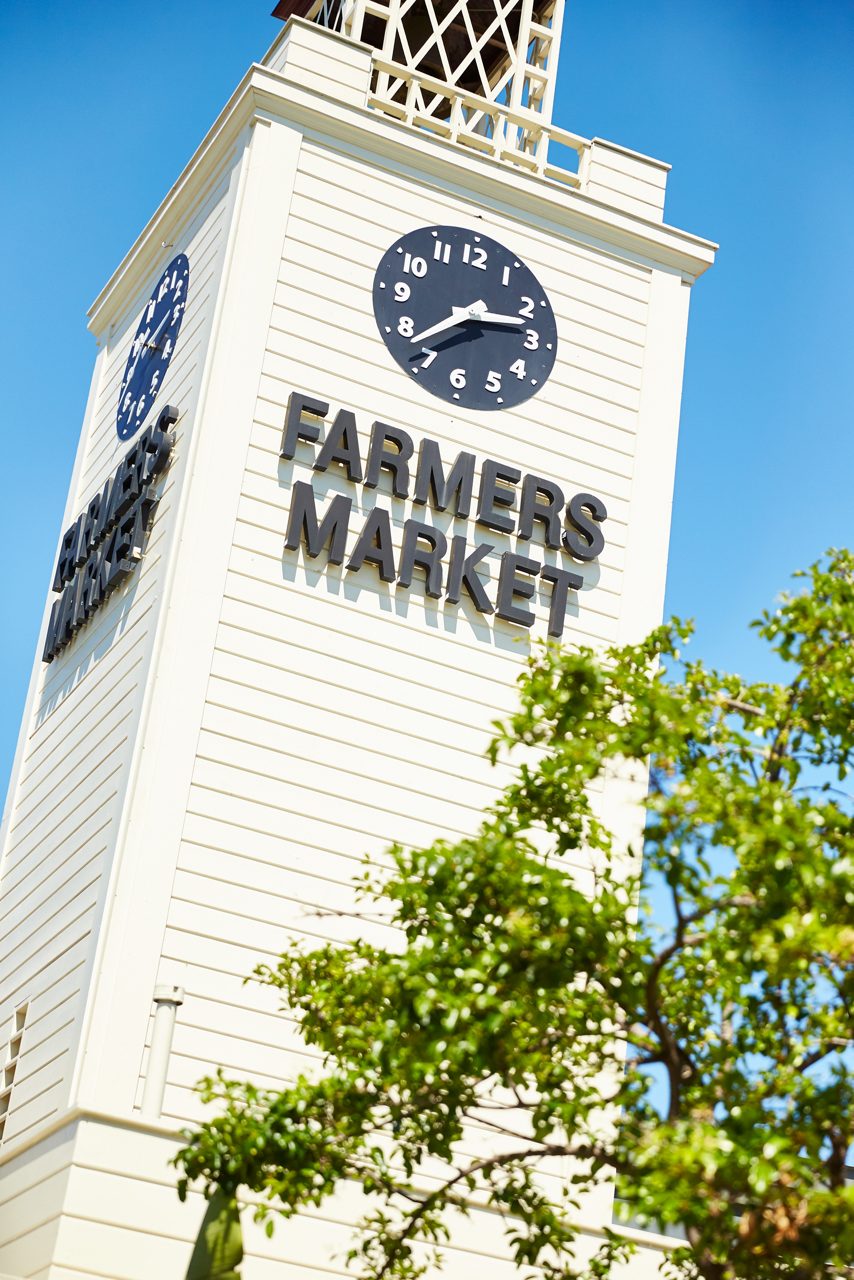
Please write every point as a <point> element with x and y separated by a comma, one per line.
<point>148,345</point>
<point>461,315</point>
<point>491,317</point>
<point>152,343</point>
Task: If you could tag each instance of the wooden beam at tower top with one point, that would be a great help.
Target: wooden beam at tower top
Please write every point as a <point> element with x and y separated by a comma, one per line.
<point>299,8</point>
<point>292,9</point>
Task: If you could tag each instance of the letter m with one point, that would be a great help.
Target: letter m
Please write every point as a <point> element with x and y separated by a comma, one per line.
<point>303,526</point>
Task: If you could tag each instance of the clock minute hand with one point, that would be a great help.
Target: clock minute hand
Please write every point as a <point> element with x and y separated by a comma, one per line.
<point>458,316</point>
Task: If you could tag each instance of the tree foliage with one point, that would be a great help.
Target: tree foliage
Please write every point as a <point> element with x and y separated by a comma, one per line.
<point>534,1019</point>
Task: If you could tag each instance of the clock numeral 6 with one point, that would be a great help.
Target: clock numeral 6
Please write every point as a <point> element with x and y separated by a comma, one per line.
<point>532,339</point>
<point>406,326</point>
<point>402,291</point>
<point>458,378</point>
<point>493,381</point>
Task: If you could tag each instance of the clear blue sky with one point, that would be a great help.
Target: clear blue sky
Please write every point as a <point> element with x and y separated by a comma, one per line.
<point>751,101</point>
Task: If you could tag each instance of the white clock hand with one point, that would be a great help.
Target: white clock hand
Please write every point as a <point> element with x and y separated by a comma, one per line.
<point>491,317</point>
<point>148,344</point>
<point>152,341</point>
<point>458,316</point>
<point>461,315</point>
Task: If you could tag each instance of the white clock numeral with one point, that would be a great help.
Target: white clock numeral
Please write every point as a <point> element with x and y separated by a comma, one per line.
<point>475,256</point>
<point>505,276</point>
<point>493,381</point>
<point>150,312</point>
<point>431,356</point>
<point>417,266</point>
<point>442,252</point>
<point>406,326</point>
<point>527,309</point>
<point>532,339</point>
<point>401,291</point>
<point>518,367</point>
<point>457,378</point>
<point>167,349</point>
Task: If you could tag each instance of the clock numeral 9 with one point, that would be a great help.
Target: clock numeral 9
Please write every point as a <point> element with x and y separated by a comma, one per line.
<point>402,291</point>
<point>527,310</point>
<point>458,378</point>
<point>493,381</point>
<point>406,326</point>
<point>417,266</point>
<point>532,339</point>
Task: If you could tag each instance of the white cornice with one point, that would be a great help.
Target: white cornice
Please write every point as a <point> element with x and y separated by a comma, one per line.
<point>265,95</point>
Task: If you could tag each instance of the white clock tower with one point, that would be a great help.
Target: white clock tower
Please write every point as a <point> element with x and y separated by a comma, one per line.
<point>386,390</point>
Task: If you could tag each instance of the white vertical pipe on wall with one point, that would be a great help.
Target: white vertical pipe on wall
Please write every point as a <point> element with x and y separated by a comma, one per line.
<point>166,1001</point>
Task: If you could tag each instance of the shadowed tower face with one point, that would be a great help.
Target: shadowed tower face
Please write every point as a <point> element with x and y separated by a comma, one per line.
<point>489,51</point>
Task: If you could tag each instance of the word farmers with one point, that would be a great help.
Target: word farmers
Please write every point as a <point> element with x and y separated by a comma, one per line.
<point>105,543</point>
<point>506,501</point>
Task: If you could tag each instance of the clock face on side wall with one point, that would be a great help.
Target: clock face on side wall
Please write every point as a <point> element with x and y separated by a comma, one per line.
<point>152,347</point>
<point>465,318</point>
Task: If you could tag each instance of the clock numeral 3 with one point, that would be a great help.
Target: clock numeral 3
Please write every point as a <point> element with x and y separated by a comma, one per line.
<point>532,339</point>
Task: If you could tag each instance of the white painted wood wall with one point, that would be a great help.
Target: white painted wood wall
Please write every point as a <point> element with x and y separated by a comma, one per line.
<point>208,761</point>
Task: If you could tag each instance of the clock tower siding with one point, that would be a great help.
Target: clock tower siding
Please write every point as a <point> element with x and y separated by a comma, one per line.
<point>74,764</point>
<point>204,767</point>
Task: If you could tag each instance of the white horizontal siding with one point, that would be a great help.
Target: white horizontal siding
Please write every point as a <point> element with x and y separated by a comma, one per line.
<point>342,713</point>
<point>63,818</point>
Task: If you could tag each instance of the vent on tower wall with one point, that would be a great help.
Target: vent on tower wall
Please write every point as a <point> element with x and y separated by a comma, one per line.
<point>13,1057</point>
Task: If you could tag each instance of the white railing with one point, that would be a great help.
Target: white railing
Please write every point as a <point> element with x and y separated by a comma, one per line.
<point>513,135</point>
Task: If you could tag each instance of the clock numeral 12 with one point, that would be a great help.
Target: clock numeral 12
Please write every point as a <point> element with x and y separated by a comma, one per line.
<point>475,256</point>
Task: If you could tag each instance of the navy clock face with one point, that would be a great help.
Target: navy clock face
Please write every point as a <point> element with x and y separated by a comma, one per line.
<point>465,318</point>
<point>152,348</point>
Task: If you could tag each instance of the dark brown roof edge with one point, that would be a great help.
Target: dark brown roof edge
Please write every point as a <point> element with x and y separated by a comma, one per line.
<point>292,8</point>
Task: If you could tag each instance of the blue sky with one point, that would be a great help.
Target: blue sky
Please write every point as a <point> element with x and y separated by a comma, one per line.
<point>751,102</point>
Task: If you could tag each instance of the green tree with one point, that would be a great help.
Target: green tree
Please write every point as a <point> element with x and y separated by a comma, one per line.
<point>703,1062</point>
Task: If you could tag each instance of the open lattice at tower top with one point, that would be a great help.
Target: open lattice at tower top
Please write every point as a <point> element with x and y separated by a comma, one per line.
<point>504,51</point>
